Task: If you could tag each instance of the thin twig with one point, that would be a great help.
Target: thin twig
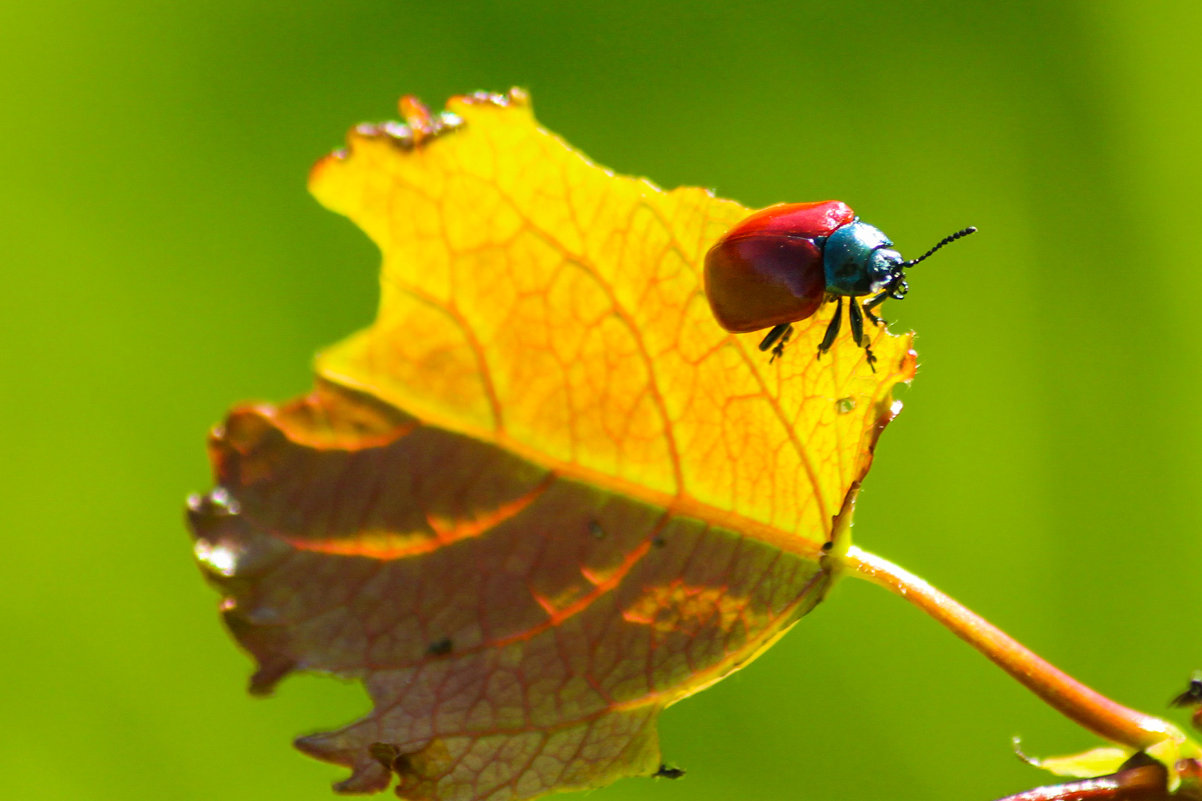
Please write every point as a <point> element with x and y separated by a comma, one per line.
<point>1079,703</point>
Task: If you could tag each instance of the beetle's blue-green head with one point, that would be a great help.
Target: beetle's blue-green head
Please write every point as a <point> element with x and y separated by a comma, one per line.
<point>859,260</point>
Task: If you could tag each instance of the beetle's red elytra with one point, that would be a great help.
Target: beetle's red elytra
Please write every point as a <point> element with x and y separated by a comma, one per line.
<point>767,270</point>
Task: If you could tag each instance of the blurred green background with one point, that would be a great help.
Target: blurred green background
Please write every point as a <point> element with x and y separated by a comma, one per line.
<point>162,260</point>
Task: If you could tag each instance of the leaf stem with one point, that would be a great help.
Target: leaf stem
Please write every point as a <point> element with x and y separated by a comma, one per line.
<point>1079,703</point>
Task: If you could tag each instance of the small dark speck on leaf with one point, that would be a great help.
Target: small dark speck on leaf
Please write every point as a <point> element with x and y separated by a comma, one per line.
<point>659,542</point>
<point>666,772</point>
<point>384,753</point>
<point>391,758</point>
<point>595,529</point>
<point>440,647</point>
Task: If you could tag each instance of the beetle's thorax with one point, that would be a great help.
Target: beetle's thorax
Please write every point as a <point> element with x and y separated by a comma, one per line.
<point>858,259</point>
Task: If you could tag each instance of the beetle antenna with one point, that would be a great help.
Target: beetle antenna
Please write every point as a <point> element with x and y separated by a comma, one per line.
<point>947,240</point>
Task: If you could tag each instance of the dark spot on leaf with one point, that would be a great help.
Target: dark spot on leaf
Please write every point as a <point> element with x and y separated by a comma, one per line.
<point>659,542</point>
<point>384,753</point>
<point>826,546</point>
<point>393,760</point>
<point>666,772</point>
<point>440,647</point>
<point>595,529</point>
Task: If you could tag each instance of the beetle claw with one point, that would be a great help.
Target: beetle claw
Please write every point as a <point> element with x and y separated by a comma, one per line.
<point>871,357</point>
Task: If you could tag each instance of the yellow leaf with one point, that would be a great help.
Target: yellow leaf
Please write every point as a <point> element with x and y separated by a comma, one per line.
<point>544,495</point>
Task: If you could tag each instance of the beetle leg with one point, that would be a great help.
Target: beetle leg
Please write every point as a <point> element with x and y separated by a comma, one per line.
<point>779,350</point>
<point>776,339</point>
<point>856,318</point>
<point>770,338</point>
<point>857,331</point>
<point>876,300</point>
<point>832,330</point>
<point>872,303</point>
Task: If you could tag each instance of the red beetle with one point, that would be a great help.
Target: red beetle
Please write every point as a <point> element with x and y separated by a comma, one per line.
<point>781,264</point>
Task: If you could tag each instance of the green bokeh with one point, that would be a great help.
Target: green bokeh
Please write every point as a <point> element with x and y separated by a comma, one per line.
<point>162,260</point>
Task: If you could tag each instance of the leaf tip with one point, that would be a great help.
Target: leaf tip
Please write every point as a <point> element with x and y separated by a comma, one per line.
<point>368,775</point>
